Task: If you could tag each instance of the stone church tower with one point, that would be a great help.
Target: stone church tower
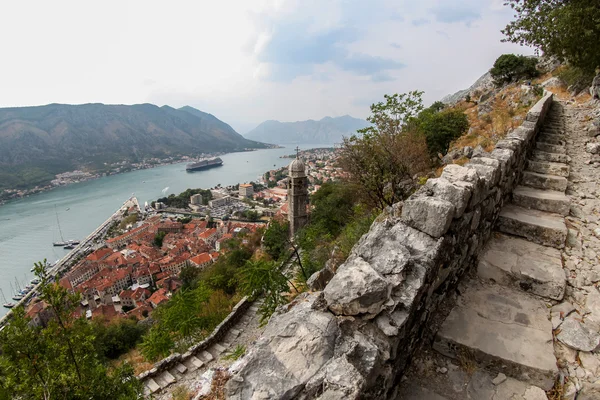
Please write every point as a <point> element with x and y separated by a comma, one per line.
<point>297,196</point>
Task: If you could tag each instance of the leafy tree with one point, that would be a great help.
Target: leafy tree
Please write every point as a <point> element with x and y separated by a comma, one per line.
<point>157,343</point>
<point>275,239</point>
<point>117,338</point>
<point>568,30</point>
<point>60,360</point>
<point>333,205</point>
<point>189,276</point>
<point>511,68</point>
<point>158,239</point>
<point>264,277</point>
<point>441,127</point>
<point>383,162</point>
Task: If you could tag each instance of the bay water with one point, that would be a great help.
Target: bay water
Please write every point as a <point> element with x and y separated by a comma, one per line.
<point>29,226</point>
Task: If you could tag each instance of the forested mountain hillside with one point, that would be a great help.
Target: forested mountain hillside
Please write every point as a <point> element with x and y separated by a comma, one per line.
<point>38,142</point>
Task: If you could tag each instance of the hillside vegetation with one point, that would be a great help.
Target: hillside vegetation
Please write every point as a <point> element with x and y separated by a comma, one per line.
<point>38,142</point>
<point>325,131</point>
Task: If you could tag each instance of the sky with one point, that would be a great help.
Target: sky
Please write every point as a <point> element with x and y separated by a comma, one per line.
<point>246,61</point>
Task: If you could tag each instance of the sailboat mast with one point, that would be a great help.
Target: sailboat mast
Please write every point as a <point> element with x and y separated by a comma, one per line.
<point>58,223</point>
<point>3,298</point>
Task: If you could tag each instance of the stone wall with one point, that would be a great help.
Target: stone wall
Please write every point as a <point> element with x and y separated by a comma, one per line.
<point>355,338</point>
<point>217,334</point>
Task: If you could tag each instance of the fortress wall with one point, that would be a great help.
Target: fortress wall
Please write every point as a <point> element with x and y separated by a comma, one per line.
<point>355,338</point>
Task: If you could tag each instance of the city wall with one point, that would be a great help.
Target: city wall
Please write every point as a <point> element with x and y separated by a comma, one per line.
<point>355,337</point>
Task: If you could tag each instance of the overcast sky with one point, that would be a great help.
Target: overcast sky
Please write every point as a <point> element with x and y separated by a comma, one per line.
<point>246,61</point>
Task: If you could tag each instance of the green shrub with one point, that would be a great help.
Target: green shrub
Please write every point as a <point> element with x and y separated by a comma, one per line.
<point>441,127</point>
<point>511,68</point>
<point>576,77</point>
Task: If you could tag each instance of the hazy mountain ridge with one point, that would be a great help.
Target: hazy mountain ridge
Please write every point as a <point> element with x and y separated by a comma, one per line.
<point>328,130</point>
<point>57,137</point>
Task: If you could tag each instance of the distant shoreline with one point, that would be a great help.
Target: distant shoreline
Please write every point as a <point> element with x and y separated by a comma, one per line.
<point>94,176</point>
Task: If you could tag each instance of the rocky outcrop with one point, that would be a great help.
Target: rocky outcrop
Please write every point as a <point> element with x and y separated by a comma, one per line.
<point>354,339</point>
<point>595,88</point>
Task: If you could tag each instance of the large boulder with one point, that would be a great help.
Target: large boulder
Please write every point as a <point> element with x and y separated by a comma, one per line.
<point>293,348</point>
<point>356,289</point>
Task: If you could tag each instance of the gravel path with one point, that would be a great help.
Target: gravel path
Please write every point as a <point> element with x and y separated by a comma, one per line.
<point>579,366</point>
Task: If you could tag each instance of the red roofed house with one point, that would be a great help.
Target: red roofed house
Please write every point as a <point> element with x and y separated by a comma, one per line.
<point>158,297</point>
<point>134,298</point>
<point>201,260</point>
<point>221,240</point>
<point>141,312</point>
<point>119,241</point>
<point>209,236</point>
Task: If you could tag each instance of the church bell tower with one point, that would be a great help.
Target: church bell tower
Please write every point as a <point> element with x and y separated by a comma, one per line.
<point>297,195</point>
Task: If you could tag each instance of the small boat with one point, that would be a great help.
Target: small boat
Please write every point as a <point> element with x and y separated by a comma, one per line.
<point>35,281</point>
<point>17,297</point>
<point>69,246</point>
<point>59,244</point>
<point>68,208</point>
<point>7,304</point>
<point>75,242</point>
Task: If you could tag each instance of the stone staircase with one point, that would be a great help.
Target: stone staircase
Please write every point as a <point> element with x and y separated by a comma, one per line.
<point>191,369</point>
<point>502,318</point>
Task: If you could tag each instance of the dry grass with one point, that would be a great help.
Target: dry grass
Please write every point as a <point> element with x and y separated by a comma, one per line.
<point>217,390</point>
<point>182,393</point>
<point>135,359</point>
<point>508,112</point>
<point>556,393</point>
<point>466,360</point>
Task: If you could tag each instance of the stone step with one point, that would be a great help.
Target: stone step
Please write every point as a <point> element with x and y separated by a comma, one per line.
<point>502,329</point>
<point>549,168</point>
<point>544,181</point>
<point>544,200</point>
<point>539,155</point>
<point>205,356</point>
<point>511,261</point>
<point>218,348</point>
<point>180,368</point>
<point>193,364</point>
<point>152,386</point>
<point>537,226</point>
<point>551,148</point>
<point>552,139</point>
<point>165,379</point>
<point>474,385</point>
<point>553,131</point>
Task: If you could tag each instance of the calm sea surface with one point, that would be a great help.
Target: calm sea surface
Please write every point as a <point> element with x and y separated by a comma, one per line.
<point>28,226</point>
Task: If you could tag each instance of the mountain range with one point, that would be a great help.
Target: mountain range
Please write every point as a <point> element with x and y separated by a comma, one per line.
<point>38,142</point>
<point>325,131</point>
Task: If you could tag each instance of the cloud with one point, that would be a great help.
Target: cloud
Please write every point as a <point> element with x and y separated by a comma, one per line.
<point>443,34</point>
<point>456,12</point>
<point>420,21</point>
<point>294,48</point>
<point>396,45</point>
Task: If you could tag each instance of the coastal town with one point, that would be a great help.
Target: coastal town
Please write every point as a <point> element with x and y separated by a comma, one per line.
<point>132,263</point>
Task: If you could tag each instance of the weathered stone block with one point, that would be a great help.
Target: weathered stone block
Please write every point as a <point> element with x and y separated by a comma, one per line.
<point>356,289</point>
<point>506,155</point>
<point>491,175</point>
<point>428,214</point>
<point>455,194</point>
<point>293,348</point>
<point>521,133</point>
